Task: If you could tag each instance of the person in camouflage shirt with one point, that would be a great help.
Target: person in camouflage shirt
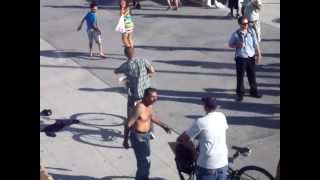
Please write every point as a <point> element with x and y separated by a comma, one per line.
<point>138,72</point>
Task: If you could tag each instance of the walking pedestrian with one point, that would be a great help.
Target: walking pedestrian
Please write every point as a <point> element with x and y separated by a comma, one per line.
<point>138,128</point>
<point>125,11</point>
<point>93,31</point>
<point>138,72</point>
<point>252,12</point>
<point>247,55</point>
<point>233,4</point>
<point>210,131</point>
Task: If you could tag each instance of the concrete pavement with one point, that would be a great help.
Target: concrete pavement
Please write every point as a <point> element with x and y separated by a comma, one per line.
<point>189,50</point>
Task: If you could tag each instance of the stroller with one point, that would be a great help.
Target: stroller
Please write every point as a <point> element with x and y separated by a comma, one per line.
<point>185,158</point>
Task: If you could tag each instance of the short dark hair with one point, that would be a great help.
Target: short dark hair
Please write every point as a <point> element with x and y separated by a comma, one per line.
<point>148,91</point>
<point>209,102</point>
<point>93,5</point>
<point>241,18</point>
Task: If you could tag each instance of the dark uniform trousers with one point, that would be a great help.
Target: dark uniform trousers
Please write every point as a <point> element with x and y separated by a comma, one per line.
<point>246,65</point>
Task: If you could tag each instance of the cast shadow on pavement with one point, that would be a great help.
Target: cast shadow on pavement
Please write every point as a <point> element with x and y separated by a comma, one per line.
<point>194,98</point>
<point>74,54</point>
<point>158,71</point>
<point>213,65</point>
<point>275,55</point>
<point>120,90</point>
<point>59,169</point>
<point>259,121</point>
<point>176,48</point>
<point>269,92</point>
<point>177,16</point>
<point>84,135</point>
<point>267,40</point>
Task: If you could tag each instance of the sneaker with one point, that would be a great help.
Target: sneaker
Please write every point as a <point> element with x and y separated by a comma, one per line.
<point>239,98</point>
<point>152,136</point>
<point>256,95</point>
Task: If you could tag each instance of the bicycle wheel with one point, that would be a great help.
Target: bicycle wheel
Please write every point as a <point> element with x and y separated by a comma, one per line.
<point>253,173</point>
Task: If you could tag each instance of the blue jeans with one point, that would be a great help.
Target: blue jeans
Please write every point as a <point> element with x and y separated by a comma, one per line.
<point>141,147</point>
<point>212,174</point>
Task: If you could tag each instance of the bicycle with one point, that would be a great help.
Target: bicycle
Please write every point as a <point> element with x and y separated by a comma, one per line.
<point>188,166</point>
<point>246,172</point>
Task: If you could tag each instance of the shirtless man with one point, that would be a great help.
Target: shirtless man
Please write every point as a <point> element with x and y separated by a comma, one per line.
<point>139,125</point>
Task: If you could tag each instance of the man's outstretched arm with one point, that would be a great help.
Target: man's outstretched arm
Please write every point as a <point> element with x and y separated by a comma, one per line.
<point>161,124</point>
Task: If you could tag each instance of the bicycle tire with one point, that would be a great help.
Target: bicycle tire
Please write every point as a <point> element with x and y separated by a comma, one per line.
<point>243,173</point>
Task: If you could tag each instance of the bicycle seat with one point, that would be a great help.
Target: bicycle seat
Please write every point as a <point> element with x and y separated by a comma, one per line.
<point>242,150</point>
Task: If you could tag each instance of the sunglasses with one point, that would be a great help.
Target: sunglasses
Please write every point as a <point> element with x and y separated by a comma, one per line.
<point>244,23</point>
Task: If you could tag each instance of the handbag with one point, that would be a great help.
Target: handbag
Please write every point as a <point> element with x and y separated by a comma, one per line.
<point>120,26</point>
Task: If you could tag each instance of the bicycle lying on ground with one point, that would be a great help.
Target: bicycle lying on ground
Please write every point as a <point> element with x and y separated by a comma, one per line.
<point>188,166</point>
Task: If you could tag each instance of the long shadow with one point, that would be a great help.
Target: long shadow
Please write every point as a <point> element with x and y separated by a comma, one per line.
<point>276,55</point>
<point>158,71</point>
<point>107,135</point>
<point>194,98</point>
<point>173,48</point>
<point>177,16</point>
<point>60,169</point>
<point>267,40</point>
<point>231,105</point>
<point>269,85</point>
<point>78,177</point>
<point>85,119</point>
<point>120,90</point>
<point>74,54</point>
<point>59,125</point>
<point>213,65</point>
<point>266,122</point>
<point>270,92</point>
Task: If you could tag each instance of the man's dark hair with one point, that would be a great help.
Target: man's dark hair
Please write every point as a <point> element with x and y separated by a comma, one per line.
<point>128,52</point>
<point>210,103</point>
<point>93,5</point>
<point>148,91</point>
<point>241,18</point>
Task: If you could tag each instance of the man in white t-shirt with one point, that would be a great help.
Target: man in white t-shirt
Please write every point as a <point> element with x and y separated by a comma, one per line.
<point>210,131</point>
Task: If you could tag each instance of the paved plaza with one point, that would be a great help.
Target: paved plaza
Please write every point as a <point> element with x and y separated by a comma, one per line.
<point>189,49</point>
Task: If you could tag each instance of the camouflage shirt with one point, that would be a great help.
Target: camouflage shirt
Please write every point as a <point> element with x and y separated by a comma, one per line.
<point>136,71</point>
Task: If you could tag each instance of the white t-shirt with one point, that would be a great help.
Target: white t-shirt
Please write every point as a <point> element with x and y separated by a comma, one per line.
<point>210,130</point>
